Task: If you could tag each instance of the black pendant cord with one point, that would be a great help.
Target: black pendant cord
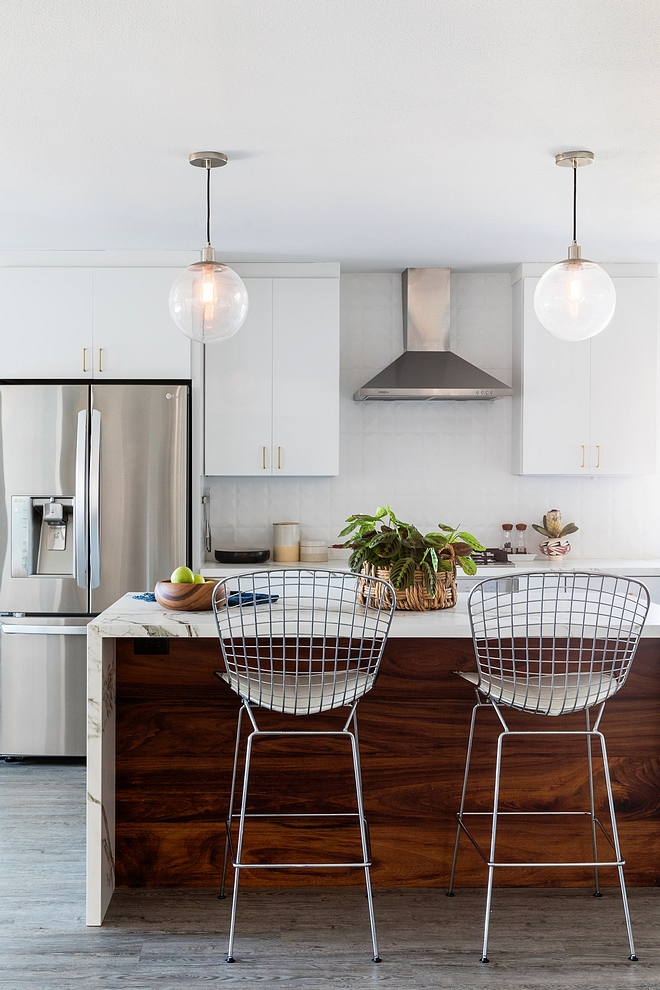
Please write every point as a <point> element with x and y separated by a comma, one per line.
<point>208,207</point>
<point>574,201</point>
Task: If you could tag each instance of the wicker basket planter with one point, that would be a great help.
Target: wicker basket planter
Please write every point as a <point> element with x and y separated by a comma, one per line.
<point>415,598</point>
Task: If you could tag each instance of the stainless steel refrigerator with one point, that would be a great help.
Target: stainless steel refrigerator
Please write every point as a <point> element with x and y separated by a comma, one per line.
<point>94,503</point>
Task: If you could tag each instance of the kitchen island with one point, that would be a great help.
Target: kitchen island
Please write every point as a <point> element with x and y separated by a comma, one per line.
<point>160,747</point>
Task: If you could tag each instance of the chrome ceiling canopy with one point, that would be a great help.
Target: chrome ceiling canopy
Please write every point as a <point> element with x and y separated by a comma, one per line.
<point>428,369</point>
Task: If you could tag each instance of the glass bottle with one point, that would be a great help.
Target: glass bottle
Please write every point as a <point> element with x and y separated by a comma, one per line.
<point>506,544</point>
<point>520,542</point>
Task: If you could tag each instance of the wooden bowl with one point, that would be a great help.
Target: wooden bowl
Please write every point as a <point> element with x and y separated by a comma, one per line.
<point>185,597</point>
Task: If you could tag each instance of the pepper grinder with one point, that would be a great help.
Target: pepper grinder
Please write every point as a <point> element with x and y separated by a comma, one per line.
<point>506,545</point>
<point>520,543</point>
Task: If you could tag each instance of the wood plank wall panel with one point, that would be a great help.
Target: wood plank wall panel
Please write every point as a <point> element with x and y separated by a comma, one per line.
<point>175,732</point>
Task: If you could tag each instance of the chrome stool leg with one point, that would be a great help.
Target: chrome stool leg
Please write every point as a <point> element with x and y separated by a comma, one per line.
<point>222,895</point>
<point>459,827</point>
<point>615,838</point>
<point>493,839</point>
<point>594,840</point>
<point>366,851</point>
<point>239,848</point>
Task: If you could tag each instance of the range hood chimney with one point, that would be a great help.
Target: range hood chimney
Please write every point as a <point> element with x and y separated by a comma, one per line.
<point>428,369</point>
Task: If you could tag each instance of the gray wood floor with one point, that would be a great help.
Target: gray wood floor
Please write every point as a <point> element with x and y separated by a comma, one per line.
<point>294,940</point>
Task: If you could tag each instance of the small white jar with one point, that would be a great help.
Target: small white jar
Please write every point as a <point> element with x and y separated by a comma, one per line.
<point>313,551</point>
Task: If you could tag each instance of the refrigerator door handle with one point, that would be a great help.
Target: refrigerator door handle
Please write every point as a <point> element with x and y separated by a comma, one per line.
<point>81,501</point>
<point>9,630</point>
<point>94,499</point>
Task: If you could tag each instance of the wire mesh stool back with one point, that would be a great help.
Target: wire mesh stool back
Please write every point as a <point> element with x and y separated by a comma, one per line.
<point>551,644</point>
<point>555,643</point>
<point>299,643</point>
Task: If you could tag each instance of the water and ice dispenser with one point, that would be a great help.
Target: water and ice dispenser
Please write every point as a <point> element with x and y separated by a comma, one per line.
<point>42,536</point>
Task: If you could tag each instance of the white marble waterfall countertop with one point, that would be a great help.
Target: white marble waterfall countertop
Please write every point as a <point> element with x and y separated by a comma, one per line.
<point>130,617</point>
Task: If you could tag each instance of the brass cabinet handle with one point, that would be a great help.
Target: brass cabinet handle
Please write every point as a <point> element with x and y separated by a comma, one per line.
<point>263,449</point>
<point>582,465</point>
<point>279,458</point>
<point>100,359</point>
<point>84,358</point>
<point>598,449</point>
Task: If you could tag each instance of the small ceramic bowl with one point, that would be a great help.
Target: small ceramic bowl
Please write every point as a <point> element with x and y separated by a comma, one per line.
<point>185,597</point>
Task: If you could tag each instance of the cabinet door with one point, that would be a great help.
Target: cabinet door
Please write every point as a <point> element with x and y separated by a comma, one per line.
<point>624,382</point>
<point>555,399</point>
<point>45,322</point>
<point>134,334</point>
<point>238,395</point>
<point>306,376</point>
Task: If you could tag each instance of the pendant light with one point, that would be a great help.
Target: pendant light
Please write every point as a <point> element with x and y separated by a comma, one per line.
<point>575,299</point>
<point>208,301</point>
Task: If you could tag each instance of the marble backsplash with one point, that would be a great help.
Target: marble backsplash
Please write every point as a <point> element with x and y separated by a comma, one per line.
<point>446,462</point>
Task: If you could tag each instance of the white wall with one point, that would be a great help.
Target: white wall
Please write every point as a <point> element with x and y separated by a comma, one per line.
<point>446,462</point>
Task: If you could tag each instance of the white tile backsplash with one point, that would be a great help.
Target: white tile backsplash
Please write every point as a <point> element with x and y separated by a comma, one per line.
<point>446,462</point>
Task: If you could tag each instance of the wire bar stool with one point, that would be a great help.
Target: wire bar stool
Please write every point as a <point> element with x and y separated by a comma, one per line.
<point>298,642</point>
<point>551,644</point>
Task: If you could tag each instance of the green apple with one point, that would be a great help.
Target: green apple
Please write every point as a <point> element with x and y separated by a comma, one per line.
<point>198,579</point>
<point>182,575</point>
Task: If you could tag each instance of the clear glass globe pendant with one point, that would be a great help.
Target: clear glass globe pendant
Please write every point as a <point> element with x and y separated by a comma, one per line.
<point>575,299</point>
<point>208,300</point>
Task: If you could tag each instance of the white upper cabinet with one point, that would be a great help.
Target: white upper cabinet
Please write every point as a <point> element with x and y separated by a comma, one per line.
<point>587,408</point>
<point>624,377</point>
<point>239,391</point>
<point>305,376</point>
<point>134,335</point>
<point>45,323</point>
<point>272,390</point>
<point>89,323</point>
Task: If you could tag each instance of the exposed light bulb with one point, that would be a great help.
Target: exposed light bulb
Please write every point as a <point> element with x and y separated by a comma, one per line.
<point>208,289</point>
<point>575,289</point>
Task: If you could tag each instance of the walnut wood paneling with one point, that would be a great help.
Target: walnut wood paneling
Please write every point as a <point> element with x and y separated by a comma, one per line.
<point>175,736</point>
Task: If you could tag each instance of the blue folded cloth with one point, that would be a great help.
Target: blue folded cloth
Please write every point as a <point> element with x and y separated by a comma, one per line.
<point>247,598</point>
<point>148,596</point>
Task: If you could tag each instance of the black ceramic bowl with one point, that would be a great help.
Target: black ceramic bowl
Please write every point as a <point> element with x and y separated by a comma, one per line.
<point>242,556</point>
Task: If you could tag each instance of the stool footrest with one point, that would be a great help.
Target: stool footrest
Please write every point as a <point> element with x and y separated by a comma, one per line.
<point>588,863</point>
<point>361,864</point>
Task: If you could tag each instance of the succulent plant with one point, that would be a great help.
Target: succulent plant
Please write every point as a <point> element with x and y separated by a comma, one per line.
<point>552,526</point>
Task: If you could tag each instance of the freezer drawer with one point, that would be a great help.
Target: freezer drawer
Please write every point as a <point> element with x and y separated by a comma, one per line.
<point>43,678</point>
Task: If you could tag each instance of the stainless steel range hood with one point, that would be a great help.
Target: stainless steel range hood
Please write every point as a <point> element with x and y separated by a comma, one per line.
<point>428,369</point>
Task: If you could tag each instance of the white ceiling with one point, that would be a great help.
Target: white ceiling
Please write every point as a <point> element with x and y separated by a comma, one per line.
<point>380,133</point>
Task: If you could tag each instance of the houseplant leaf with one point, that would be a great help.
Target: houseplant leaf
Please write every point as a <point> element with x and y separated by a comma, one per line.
<point>468,565</point>
<point>471,541</point>
<point>429,578</point>
<point>402,573</point>
<point>357,558</point>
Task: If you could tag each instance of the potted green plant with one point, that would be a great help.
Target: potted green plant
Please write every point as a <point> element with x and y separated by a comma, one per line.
<point>421,568</point>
